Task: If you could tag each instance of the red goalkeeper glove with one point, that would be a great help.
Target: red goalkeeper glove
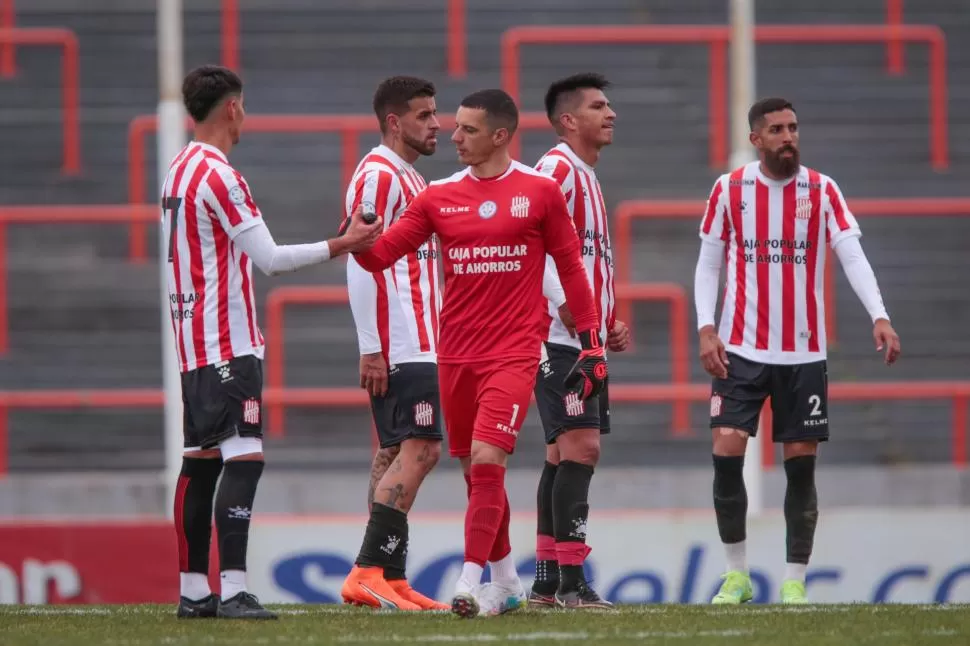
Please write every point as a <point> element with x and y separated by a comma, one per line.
<point>588,375</point>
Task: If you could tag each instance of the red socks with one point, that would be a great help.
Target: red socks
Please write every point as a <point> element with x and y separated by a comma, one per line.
<point>487,514</point>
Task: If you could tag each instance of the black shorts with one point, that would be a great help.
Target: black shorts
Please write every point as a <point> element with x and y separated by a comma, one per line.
<point>411,407</point>
<point>799,399</point>
<point>561,411</point>
<point>221,400</point>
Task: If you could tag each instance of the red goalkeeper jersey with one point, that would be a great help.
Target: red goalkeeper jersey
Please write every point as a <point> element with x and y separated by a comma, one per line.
<point>495,234</point>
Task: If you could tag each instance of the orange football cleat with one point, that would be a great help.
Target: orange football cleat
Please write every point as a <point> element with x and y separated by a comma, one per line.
<point>365,586</point>
<point>405,591</point>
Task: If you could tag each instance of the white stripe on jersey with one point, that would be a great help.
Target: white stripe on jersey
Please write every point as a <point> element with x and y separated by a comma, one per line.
<point>584,197</point>
<point>205,205</point>
<point>776,233</point>
<point>396,312</point>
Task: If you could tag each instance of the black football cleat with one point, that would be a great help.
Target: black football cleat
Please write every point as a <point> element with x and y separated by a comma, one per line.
<point>581,597</point>
<point>543,595</point>
<point>244,606</point>
<point>203,608</point>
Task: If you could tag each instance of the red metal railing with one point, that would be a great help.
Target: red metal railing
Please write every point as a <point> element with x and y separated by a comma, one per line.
<point>894,48</point>
<point>279,297</point>
<point>67,41</point>
<point>718,37</point>
<point>69,214</point>
<point>348,126</point>
<point>628,211</point>
<point>956,391</point>
<point>8,61</point>
<point>230,34</point>
<point>457,40</point>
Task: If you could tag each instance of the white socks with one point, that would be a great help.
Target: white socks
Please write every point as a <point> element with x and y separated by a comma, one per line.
<point>795,571</point>
<point>503,571</point>
<point>737,556</point>
<point>194,585</point>
<point>233,582</point>
<point>471,577</point>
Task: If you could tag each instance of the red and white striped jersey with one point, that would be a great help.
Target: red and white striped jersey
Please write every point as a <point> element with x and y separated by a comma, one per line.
<point>584,197</point>
<point>776,233</point>
<point>396,311</point>
<point>205,205</point>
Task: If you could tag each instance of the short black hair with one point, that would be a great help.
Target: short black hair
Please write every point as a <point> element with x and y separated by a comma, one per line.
<point>204,87</point>
<point>563,89</point>
<point>758,111</point>
<point>394,93</point>
<point>500,109</point>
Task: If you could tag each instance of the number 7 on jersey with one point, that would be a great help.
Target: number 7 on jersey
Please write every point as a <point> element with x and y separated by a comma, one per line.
<point>172,204</point>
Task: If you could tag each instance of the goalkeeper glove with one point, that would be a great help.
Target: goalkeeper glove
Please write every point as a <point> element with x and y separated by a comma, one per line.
<point>588,375</point>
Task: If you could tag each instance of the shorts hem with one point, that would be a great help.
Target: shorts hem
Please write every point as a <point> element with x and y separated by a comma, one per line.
<point>805,438</point>
<point>410,435</point>
<point>737,427</point>
<point>562,430</point>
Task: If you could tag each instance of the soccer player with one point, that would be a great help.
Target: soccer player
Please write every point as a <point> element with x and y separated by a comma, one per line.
<point>396,313</point>
<point>215,234</point>
<point>581,115</point>
<point>496,220</point>
<point>772,219</point>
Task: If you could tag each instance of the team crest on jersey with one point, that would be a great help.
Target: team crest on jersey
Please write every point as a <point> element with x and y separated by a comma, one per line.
<point>237,195</point>
<point>803,208</point>
<point>487,209</point>
<point>520,206</point>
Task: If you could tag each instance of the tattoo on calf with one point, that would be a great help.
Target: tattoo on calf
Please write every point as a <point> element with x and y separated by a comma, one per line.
<point>395,496</point>
<point>382,460</point>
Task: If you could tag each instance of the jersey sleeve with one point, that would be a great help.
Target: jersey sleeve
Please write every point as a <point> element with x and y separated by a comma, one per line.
<point>551,287</point>
<point>560,170</point>
<point>839,221</point>
<point>563,245</point>
<point>231,200</point>
<point>716,225</point>
<point>408,233</point>
<point>362,289</point>
<point>378,190</point>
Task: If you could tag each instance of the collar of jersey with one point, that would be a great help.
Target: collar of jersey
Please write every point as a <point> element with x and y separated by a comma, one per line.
<point>565,149</point>
<point>391,156</point>
<point>212,149</point>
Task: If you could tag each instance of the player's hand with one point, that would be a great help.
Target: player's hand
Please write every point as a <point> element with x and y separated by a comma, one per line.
<point>618,338</point>
<point>886,339</point>
<point>567,320</point>
<point>357,234</point>
<point>588,375</point>
<point>373,374</point>
<point>713,355</point>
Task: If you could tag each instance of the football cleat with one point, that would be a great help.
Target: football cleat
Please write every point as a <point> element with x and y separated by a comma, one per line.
<point>736,589</point>
<point>243,606</point>
<point>204,607</point>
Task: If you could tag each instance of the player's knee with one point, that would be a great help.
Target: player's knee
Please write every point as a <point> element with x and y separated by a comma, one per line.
<point>580,445</point>
<point>798,449</point>
<point>421,454</point>
<point>552,453</point>
<point>729,441</point>
<point>485,453</point>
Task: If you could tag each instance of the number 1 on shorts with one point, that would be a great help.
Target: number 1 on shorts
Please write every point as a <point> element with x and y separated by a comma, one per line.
<point>515,414</point>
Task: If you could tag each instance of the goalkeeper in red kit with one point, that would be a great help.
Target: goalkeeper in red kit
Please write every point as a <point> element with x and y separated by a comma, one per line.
<point>496,221</point>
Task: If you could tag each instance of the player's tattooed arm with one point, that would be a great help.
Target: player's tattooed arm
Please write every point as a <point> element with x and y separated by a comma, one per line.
<point>382,461</point>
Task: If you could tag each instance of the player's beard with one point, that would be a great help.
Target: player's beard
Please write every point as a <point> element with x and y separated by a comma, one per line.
<point>423,146</point>
<point>783,166</point>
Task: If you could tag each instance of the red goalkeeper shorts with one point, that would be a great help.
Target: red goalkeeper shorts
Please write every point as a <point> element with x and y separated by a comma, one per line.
<point>485,401</point>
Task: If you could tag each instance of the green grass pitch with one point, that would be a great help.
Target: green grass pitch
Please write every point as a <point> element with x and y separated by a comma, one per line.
<point>842,625</point>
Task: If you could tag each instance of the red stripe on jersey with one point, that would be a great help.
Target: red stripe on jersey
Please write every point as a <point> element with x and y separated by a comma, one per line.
<point>250,203</point>
<point>712,208</point>
<point>221,193</point>
<point>221,240</point>
<point>247,297</point>
<point>811,259</point>
<point>762,207</point>
<point>602,245</point>
<point>383,192</point>
<point>432,281</point>
<point>383,316</point>
<point>597,251</point>
<point>740,302</point>
<point>788,270</point>
<point>196,263</point>
<point>562,171</point>
<point>417,301</point>
<point>176,259</point>
<point>837,209</point>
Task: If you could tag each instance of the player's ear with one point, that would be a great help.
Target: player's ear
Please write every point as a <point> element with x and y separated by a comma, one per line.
<point>500,137</point>
<point>392,122</point>
<point>754,138</point>
<point>567,121</point>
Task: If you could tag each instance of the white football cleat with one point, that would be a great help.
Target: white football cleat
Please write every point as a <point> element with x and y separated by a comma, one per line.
<point>500,598</point>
